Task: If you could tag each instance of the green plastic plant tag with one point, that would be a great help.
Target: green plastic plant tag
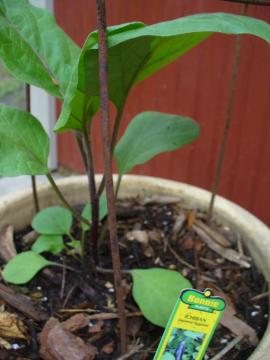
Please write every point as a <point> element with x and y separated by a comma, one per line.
<point>191,326</point>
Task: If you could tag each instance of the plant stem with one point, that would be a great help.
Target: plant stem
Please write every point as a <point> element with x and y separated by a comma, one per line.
<point>79,138</point>
<point>64,201</point>
<point>91,252</point>
<point>107,154</point>
<point>251,2</point>
<point>230,106</point>
<point>33,178</point>
<point>116,128</point>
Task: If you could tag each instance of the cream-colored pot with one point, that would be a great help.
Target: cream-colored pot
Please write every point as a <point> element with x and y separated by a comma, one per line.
<point>17,209</point>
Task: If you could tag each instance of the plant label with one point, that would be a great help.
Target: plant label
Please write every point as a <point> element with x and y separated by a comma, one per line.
<point>191,326</point>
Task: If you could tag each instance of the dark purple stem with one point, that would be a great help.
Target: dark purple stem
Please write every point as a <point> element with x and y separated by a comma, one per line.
<point>33,178</point>
<point>107,154</point>
<point>251,2</point>
<point>91,249</point>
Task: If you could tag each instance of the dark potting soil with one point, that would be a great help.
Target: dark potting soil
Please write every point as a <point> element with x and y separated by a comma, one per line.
<point>151,234</point>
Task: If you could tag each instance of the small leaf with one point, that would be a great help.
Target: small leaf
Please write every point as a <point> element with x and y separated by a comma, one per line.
<point>51,243</point>
<point>156,292</point>
<point>168,356</point>
<point>53,220</point>
<point>151,133</point>
<point>75,244</point>
<point>23,267</point>
<point>86,213</point>
<point>24,145</point>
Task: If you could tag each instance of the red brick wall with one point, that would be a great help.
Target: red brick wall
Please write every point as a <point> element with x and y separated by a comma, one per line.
<point>195,85</point>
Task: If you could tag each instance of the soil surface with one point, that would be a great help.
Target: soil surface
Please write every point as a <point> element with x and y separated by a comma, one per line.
<point>153,232</point>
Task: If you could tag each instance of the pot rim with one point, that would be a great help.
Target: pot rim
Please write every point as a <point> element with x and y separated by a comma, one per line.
<point>255,233</point>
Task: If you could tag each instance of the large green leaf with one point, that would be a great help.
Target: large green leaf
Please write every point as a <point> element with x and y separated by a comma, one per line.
<point>23,267</point>
<point>33,48</point>
<point>136,53</point>
<point>151,133</point>
<point>156,292</point>
<point>24,145</point>
<point>54,220</point>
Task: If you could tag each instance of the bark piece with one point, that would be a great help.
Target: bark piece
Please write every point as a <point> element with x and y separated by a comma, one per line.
<point>11,327</point>
<point>76,322</point>
<point>179,223</point>
<point>108,348</point>
<point>96,328</point>
<point>59,344</point>
<point>216,236</point>
<point>226,253</point>
<point>238,326</point>
<point>29,238</point>
<point>21,303</point>
<point>191,219</point>
<point>160,199</point>
<point>140,235</point>
<point>7,248</point>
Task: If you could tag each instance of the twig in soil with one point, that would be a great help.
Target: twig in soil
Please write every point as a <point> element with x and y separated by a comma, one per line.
<point>69,294</point>
<point>260,296</point>
<point>180,260</point>
<point>110,271</point>
<point>100,316</point>
<point>226,253</point>
<point>66,267</point>
<point>63,282</point>
<point>21,303</point>
<point>33,334</point>
<point>134,350</point>
<point>208,261</point>
<point>217,237</point>
<point>104,109</point>
<point>110,316</point>
<point>228,347</point>
<point>240,245</point>
<point>197,265</point>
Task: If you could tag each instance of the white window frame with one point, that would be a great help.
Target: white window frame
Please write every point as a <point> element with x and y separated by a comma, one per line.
<point>43,105</point>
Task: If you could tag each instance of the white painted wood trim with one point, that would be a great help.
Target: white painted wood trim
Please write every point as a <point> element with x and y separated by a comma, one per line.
<point>43,106</point>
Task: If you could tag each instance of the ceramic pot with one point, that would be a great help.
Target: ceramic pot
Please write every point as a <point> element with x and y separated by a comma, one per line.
<point>17,209</point>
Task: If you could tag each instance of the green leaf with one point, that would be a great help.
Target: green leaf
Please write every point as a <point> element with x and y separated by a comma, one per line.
<point>86,213</point>
<point>136,53</point>
<point>33,48</point>
<point>50,243</point>
<point>156,292</point>
<point>23,267</point>
<point>151,133</point>
<point>74,243</point>
<point>168,356</point>
<point>24,145</point>
<point>54,220</point>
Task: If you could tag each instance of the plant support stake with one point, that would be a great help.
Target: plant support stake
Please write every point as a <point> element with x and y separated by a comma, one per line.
<point>229,111</point>
<point>107,154</point>
<point>33,178</point>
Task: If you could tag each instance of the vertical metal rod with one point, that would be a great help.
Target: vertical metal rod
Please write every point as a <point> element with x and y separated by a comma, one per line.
<point>33,178</point>
<point>107,154</point>
<point>230,106</point>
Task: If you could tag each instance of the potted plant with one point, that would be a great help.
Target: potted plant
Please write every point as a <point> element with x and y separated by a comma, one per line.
<point>50,60</point>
